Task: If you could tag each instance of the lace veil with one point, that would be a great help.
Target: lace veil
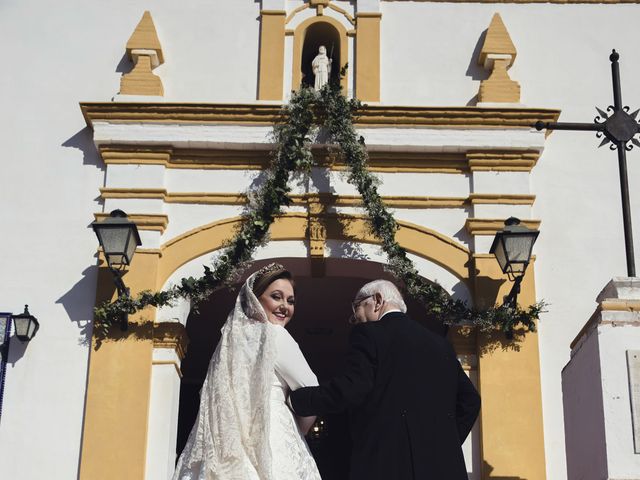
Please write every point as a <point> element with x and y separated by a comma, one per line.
<point>230,438</point>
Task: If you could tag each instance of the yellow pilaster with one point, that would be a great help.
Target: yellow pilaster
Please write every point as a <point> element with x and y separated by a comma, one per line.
<point>509,380</point>
<point>271,75</point>
<point>368,57</point>
<point>118,388</point>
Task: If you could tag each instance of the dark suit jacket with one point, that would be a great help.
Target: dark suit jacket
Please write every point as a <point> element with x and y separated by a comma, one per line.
<point>410,403</point>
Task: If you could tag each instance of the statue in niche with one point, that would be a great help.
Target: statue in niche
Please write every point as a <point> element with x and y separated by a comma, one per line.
<point>321,66</point>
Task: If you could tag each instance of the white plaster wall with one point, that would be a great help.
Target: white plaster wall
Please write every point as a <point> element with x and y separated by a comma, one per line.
<point>409,184</point>
<point>164,401</point>
<point>614,342</point>
<point>49,179</point>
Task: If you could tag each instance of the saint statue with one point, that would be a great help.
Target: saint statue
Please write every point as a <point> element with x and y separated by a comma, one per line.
<point>321,66</point>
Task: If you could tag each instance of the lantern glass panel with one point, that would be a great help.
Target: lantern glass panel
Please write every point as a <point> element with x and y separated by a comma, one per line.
<point>518,247</point>
<point>26,326</point>
<point>131,246</point>
<point>5,320</point>
<point>114,242</point>
<point>500,254</point>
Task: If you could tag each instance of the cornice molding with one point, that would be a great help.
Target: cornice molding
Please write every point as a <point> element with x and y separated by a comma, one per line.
<point>256,156</point>
<point>490,226</point>
<point>394,201</point>
<point>144,221</point>
<point>495,160</point>
<point>262,114</point>
<point>503,199</point>
<point>221,198</point>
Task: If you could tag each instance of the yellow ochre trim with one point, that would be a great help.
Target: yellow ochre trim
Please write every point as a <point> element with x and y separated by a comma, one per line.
<point>504,160</point>
<point>368,57</point>
<point>369,115</point>
<point>119,384</point>
<point>295,11</point>
<point>343,12</point>
<point>497,41</point>
<point>502,199</point>
<point>395,201</point>
<point>271,70</point>
<point>137,193</point>
<point>504,431</point>
<point>144,221</point>
<point>422,241</point>
<point>392,161</point>
<point>144,49</point>
<point>144,37</point>
<point>490,226</point>
<point>273,12</point>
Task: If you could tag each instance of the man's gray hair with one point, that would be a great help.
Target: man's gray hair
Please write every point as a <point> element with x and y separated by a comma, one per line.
<point>387,290</point>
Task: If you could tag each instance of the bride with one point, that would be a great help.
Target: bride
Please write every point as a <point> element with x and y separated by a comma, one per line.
<point>244,429</point>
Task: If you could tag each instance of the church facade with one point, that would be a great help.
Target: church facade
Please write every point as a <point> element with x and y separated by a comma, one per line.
<point>164,111</point>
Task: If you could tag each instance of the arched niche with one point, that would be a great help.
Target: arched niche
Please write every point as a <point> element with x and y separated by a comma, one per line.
<point>308,36</point>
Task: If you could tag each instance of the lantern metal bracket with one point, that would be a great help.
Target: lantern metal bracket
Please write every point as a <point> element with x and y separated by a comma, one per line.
<point>123,291</point>
<point>511,299</point>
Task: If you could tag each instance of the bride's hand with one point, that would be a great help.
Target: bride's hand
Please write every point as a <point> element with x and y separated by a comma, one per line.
<point>305,423</point>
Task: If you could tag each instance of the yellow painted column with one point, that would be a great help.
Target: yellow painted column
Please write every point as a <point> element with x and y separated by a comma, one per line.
<point>271,75</point>
<point>368,57</point>
<point>117,402</point>
<point>509,380</point>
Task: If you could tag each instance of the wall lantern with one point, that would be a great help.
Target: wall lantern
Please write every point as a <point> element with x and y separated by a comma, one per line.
<point>26,325</point>
<point>118,237</point>
<point>512,247</point>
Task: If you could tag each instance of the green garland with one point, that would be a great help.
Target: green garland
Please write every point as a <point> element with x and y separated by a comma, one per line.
<point>291,135</point>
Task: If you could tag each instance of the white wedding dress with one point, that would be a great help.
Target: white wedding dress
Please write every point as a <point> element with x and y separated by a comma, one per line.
<point>244,429</point>
<point>291,458</point>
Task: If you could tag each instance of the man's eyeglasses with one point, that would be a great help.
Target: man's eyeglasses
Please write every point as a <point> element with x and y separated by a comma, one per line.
<point>356,303</point>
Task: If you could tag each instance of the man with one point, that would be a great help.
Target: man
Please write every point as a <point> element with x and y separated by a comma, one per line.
<point>410,403</point>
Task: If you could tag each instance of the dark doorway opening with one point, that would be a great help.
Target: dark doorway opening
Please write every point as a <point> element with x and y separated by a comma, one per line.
<point>319,326</point>
<point>316,35</point>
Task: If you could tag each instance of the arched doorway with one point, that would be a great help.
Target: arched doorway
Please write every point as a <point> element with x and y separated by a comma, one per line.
<point>319,326</point>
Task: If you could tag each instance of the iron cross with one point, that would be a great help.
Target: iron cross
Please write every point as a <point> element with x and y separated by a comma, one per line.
<point>617,128</point>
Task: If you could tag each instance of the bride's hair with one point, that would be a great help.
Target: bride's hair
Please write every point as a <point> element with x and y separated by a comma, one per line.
<point>269,274</point>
